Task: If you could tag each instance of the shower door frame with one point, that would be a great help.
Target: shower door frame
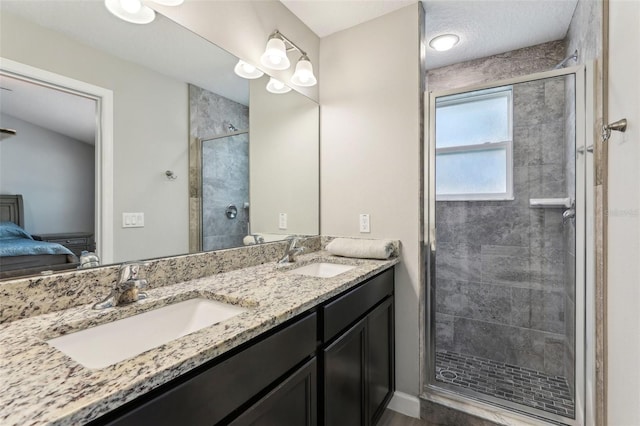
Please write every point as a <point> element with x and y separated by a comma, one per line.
<point>477,403</point>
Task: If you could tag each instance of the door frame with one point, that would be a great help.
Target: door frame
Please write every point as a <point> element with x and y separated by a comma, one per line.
<point>103,143</point>
<point>585,277</point>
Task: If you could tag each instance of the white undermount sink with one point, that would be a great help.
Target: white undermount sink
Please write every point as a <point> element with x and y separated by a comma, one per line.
<point>107,344</point>
<point>322,269</point>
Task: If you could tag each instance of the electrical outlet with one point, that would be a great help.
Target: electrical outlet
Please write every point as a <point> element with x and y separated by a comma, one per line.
<point>365,222</point>
<point>282,221</point>
<point>133,220</point>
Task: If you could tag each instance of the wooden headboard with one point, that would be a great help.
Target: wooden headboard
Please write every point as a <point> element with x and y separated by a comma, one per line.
<point>11,209</point>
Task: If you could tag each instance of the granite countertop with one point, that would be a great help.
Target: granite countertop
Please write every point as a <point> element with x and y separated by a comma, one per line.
<point>41,386</point>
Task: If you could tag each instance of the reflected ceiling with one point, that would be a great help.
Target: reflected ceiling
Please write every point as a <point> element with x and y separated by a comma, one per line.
<point>191,59</point>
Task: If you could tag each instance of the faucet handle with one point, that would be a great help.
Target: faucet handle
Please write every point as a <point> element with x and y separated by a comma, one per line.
<point>128,271</point>
<point>292,242</point>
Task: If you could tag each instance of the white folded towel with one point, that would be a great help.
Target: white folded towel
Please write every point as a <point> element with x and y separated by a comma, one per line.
<point>249,240</point>
<point>366,249</point>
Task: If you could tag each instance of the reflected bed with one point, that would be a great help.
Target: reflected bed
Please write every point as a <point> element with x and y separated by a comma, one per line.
<point>20,254</point>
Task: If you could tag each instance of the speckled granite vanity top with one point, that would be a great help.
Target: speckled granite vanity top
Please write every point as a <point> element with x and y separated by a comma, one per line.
<point>40,385</point>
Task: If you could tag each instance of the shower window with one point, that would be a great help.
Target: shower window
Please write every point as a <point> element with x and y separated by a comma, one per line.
<point>474,146</point>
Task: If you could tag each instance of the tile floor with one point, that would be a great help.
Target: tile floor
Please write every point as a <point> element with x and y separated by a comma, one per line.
<point>509,382</point>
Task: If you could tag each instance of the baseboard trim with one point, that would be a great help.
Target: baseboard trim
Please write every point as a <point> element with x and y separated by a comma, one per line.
<point>406,404</point>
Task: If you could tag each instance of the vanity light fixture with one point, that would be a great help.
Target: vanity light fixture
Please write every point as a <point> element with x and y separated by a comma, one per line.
<point>277,87</point>
<point>131,11</point>
<point>304,73</point>
<point>444,42</point>
<point>275,54</point>
<point>275,58</point>
<point>134,11</point>
<point>169,2</point>
<point>246,70</point>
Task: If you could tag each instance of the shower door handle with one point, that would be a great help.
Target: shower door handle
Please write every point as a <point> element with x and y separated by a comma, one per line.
<point>568,214</point>
<point>582,150</point>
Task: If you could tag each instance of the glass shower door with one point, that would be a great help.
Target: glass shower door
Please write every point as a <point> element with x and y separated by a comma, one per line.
<point>225,191</point>
<point>502,273</point>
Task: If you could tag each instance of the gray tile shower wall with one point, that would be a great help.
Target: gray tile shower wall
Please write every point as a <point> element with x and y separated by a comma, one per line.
<point>541,57</point>
<point>500,273</point>
<point>225,182</point>
<point>219,170</point>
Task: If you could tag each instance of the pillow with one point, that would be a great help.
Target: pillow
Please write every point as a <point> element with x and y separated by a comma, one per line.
<point>11,230</point>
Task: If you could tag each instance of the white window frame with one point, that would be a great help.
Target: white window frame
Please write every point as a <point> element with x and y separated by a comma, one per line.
<point>487,146</point>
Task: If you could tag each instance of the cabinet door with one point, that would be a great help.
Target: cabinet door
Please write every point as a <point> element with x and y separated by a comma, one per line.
<point>380,359</point>
<point>292,403</point>
<point>344,378</point>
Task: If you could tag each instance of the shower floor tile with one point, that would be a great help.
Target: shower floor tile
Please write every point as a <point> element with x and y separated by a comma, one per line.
<point>516,384</point>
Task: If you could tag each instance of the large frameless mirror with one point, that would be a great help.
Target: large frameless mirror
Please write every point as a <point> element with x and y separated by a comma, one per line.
<point>172,190</point>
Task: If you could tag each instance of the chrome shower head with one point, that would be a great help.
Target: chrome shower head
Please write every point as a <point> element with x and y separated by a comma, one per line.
<point>565,61</point>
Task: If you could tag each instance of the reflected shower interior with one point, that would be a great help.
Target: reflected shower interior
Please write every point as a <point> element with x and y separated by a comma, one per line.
<point>225,190</point>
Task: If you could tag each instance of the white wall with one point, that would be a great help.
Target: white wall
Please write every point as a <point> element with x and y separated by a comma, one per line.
<point>55,175</point>
<point>150,134</point>
<point>623,286</point>
<point>243,27</point>
<point>284,166</point>
<point>370,154</point>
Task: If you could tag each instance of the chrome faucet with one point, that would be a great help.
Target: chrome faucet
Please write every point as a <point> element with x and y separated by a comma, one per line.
<point>126,290</point>
<point>291,252</point>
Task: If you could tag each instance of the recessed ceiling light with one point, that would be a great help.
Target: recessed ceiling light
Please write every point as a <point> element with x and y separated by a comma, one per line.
<point>444,42</point>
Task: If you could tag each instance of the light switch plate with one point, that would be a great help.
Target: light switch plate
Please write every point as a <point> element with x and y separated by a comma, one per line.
<point>365,223</point>
<point>133,220</point>
<point>282,221</point>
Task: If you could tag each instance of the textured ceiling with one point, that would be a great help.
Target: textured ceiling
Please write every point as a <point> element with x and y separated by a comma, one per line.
<point>162,45</point>
<point>485,27</point>
<point>490,27</point>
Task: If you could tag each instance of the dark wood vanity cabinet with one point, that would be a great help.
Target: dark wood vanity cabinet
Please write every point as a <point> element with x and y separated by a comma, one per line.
<point>358,364</point>
<point>293,402</point>
<point>344,378</point>
<point>380,360</point>
<point>330,366</point>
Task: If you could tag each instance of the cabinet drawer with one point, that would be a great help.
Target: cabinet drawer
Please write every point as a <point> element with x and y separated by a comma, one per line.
<point>70,241</point>
<point>215,393</point>
<point>342,312</point>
